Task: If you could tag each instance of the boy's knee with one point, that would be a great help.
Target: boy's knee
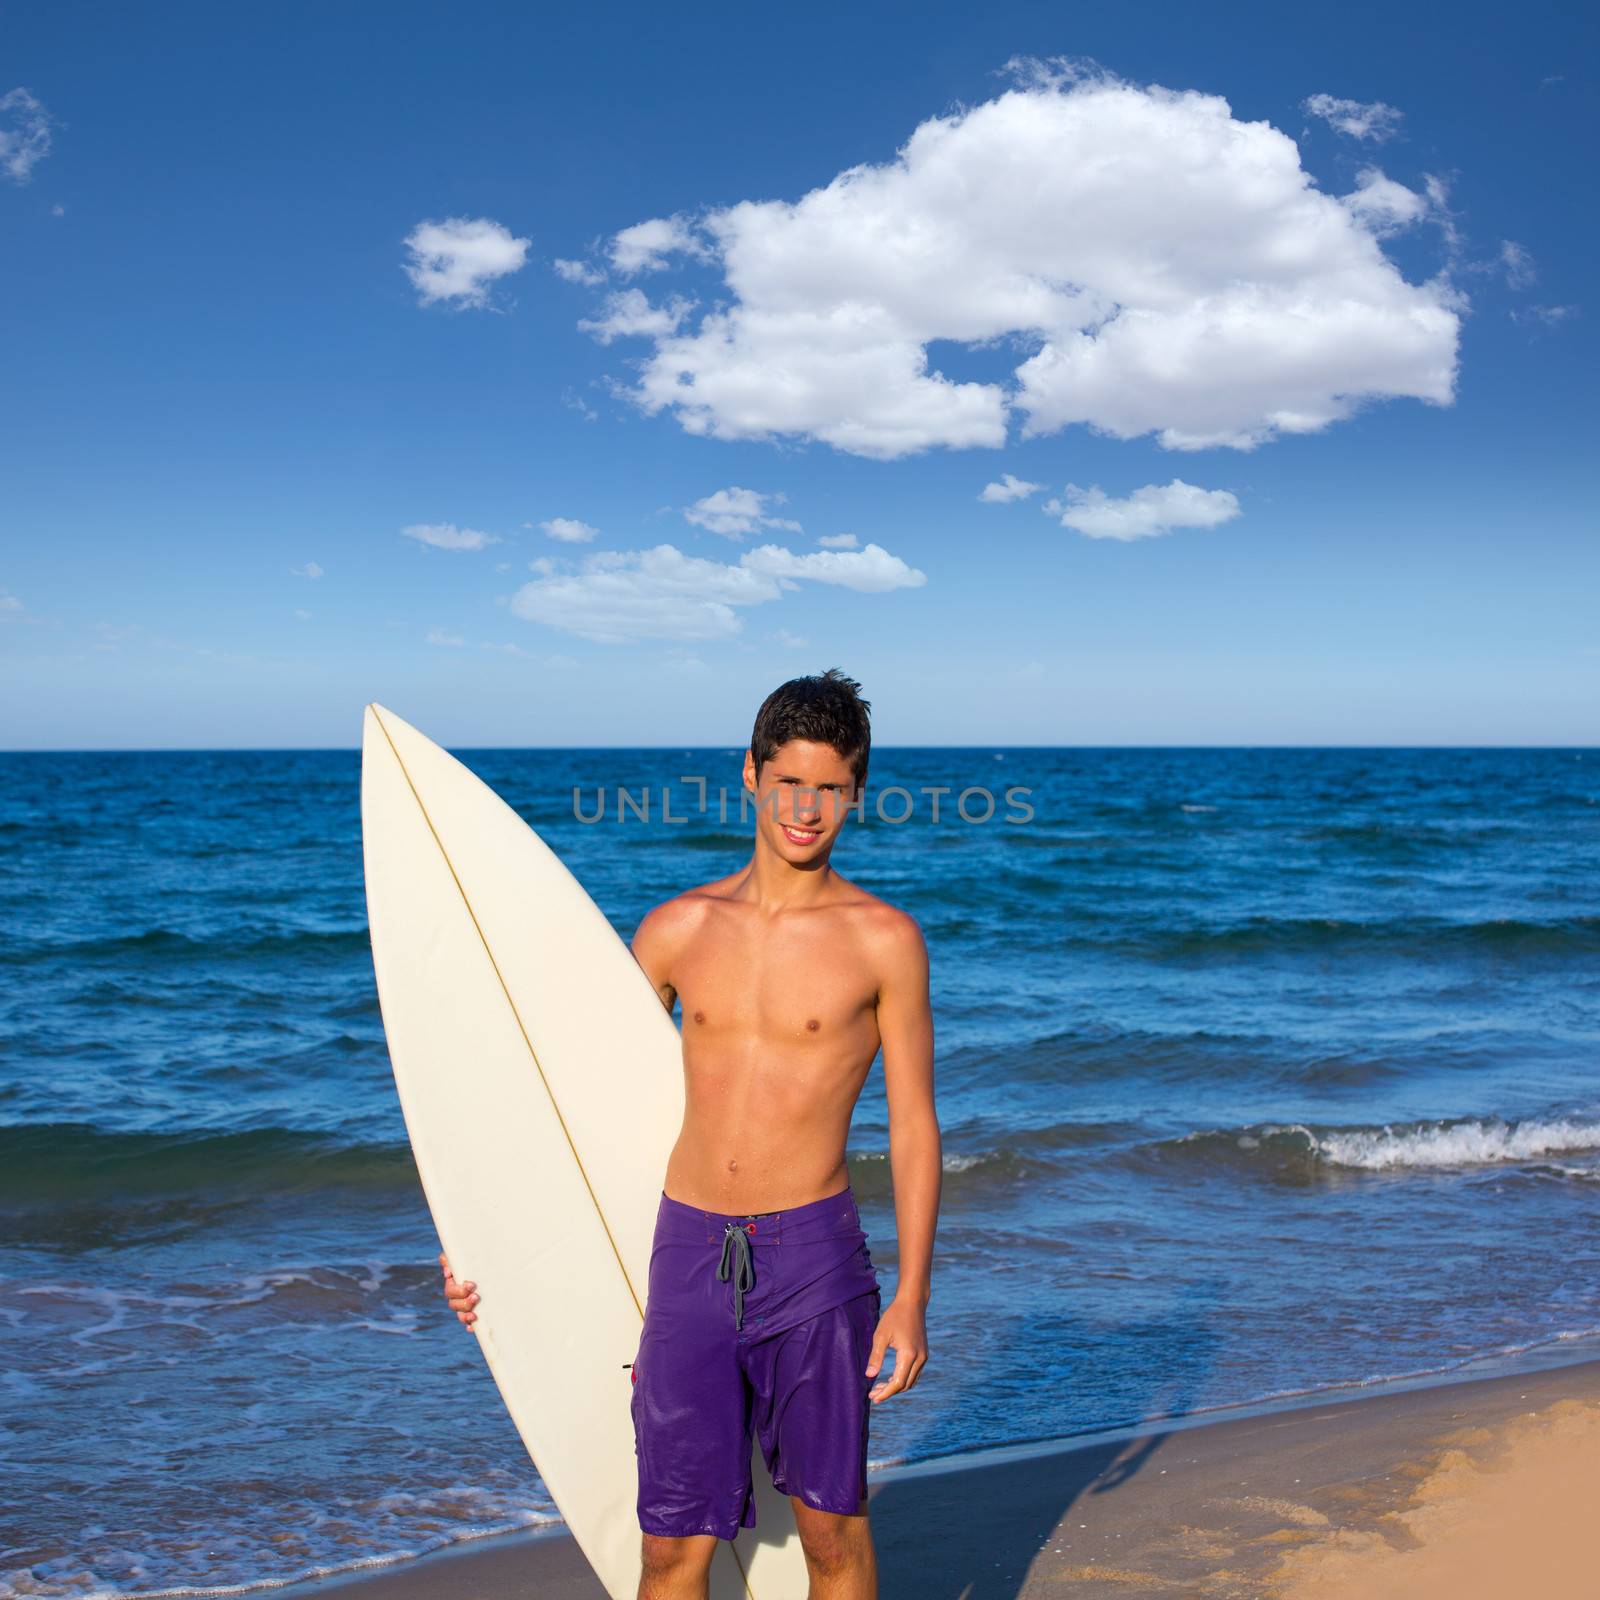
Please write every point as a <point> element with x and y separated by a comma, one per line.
<point>834,1544</point>
<point>664,1556</point>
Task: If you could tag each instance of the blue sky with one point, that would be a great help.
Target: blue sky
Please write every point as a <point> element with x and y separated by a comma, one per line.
<point>1295,304</point>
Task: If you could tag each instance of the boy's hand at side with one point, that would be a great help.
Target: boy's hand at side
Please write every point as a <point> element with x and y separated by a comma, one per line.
<point>462,1297</point>
<point>902,1326</point>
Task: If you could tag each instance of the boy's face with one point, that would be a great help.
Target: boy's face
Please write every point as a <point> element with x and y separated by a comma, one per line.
<point>802,793</point>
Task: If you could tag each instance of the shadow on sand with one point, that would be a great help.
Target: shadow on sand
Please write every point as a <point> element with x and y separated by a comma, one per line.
<point>972,1533</point>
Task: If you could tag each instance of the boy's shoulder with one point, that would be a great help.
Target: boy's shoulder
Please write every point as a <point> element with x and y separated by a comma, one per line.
<point>685,912</point>
<point>879,921</point>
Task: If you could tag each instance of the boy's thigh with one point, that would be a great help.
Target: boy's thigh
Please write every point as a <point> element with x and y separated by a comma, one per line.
<point>691,1424</point>
<point>811,1409</point>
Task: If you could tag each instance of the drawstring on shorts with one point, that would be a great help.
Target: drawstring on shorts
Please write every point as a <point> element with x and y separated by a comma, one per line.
<point>736,1241</point>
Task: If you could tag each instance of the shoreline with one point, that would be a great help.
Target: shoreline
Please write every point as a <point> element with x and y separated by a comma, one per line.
<point>1139,1500</point>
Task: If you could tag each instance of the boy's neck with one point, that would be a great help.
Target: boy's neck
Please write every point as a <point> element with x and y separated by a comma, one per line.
<point>774,884</point>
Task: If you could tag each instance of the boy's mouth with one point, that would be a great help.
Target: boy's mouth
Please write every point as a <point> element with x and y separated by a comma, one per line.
<point>801,835</point>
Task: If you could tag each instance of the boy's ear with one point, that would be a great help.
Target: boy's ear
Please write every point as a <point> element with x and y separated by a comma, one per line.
<point>750,772</point>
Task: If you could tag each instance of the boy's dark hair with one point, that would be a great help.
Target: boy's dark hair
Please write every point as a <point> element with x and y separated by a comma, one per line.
<point>826,709</point>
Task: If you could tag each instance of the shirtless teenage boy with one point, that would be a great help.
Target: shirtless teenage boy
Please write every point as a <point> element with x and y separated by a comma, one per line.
<point>763,1304</point>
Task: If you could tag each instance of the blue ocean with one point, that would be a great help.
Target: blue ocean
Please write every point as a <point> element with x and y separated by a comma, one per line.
<point>1263,1073</point>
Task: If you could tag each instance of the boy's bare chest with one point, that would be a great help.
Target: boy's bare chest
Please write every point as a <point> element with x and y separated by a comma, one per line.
<point>802,983</point>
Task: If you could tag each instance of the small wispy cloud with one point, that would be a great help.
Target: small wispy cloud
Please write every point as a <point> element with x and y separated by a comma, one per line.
<point>447,536</point>
<point>1009,488</point>
<point>1146,513</point>
<point>839,541</point>
<point>1517,265</point>
<point>578,272</point>
<point>646,246</point>
<point>457,261</point>
<point>24,134</point>
<point>1359,119</point>
<point>574,401</point>
<point>10,605</point>
<point>568,530</point>
<point>301,614</point>
<point>735,512</point>
<point>1382,206</point>
<point>616,597</point>
<point>309,570</point>
<point>630,313</point>
<point>871,570</point>
<point>1543,316</point>
<point>442,637</point>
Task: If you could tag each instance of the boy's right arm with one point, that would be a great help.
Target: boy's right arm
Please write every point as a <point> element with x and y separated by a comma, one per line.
<point>656,943</point>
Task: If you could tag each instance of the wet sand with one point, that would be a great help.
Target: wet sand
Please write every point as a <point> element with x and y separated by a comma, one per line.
<point>1463,1489</point>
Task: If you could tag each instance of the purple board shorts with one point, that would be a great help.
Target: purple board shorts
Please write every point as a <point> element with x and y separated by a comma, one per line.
<point>779,1343</point>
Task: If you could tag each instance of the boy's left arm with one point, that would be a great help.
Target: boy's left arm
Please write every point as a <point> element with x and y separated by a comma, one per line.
<point>905,1026</point>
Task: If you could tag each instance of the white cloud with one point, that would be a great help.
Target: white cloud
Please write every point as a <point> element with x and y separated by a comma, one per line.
<point>1007,489</point>
<point>575,402</point>
<point>646,245</point>
<point>644,594</point>
<point>569,530</point>
<point>440,636</point>
<point>735,511</point>
<point>790,641</point>
<point>1383,206</point>
<point>578,272</point>
<point>1517,264</point>
<point>1361,119</point>
<point>24,134</point>
<point>447,536</point>
<point>838,541</point>
<point>686,665</point>
<point>1438,193</point>
<point>10,605</point>
<point>871,570</point>
<point>301,615</point>
<point>630,314</point>
<point>309,570</point>
<point>1162,266</point>
<point>619,596</point>
<point>58,210</point>
<point>1152,510</point>
<point>1543,316</point>
<point>459,259</point>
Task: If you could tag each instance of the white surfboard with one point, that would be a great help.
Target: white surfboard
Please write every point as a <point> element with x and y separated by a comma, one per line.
<point>542,1085</point>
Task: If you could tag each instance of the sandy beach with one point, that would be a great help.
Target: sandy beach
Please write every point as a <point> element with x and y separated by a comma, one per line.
<point>1479,1488</point>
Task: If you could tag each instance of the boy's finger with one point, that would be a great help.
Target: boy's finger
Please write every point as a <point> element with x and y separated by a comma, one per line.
<point>891,1386</point>
<point>880,1346</point>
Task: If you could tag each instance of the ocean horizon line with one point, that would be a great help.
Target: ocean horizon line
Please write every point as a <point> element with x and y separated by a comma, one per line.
<point>669,745</point>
